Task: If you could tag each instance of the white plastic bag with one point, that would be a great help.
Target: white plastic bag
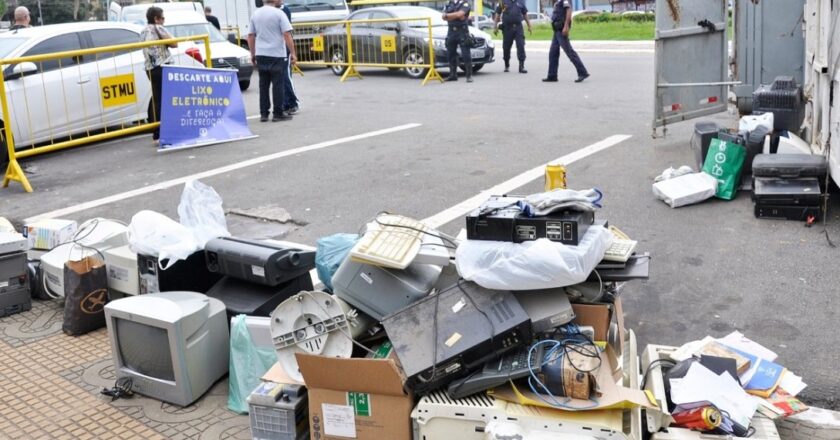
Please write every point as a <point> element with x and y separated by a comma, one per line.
<point>672,172</point>
<point>156,235</point>
<point>686,189</point>
<point>201,211</point>
<point>539,264</point>
<point>750,122</point>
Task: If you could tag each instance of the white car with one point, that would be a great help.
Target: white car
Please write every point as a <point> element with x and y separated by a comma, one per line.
<point>53,100</point>
<point>225,55</point>
<point>538,18</point>
<point>137,13</point>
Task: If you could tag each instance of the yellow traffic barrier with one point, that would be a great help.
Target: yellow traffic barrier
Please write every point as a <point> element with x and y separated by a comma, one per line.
<point>79,125</point>
<point>345,45</point>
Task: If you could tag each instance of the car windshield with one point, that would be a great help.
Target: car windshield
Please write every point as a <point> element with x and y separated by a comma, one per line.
<point>420,13</point>
<point>315,5</point>
<point>187,30</point>
<point>7,45</point>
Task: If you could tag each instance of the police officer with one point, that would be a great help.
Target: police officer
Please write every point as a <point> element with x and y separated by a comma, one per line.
<point>457,13</point>
<point>561,21</point>
<point>512,12</point>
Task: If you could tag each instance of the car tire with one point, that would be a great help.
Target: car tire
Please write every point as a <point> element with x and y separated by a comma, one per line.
<point>414,56</point>
<point>243,85</point>
<point>337,56</point>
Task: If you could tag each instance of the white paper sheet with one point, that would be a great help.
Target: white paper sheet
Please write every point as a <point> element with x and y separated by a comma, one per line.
<point>701,384</point>
<point>792,383</point>
<point>738,341</point>
<point>339,420</point>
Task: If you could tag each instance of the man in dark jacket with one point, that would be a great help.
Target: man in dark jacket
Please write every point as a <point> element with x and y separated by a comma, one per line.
<point>208,14</point>
<point>561,21</point>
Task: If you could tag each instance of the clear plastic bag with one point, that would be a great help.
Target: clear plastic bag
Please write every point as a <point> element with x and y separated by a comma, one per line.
<point>248,363</point>
<point>330,253</point>
<point>539,264</point>
<point>201,211</point>
<point>156,235</point>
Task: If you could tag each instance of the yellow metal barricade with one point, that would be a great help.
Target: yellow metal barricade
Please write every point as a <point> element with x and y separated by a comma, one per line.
<point>393,43</point>
<point>82,76</point>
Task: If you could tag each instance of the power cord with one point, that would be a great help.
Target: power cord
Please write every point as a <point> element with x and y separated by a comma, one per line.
<point>576,343</point>
<point>121,388</point>
<point>665,363</point>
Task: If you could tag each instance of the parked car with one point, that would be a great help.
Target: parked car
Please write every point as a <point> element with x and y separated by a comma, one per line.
<point>586,13</point>
<point>482,22</point>
<point>538,18</point>
<point>55,99</point>
<point>411,37</point>
<point>137,13</point>
<point>225,55</point>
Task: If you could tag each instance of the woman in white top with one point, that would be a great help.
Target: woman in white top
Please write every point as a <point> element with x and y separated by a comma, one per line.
<point>156,57</point>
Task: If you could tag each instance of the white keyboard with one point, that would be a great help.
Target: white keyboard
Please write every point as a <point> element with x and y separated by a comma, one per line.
<point>620,250</point>
<point>394,243</point>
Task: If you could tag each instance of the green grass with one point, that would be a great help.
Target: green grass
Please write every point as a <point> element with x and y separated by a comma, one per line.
<point>614,30</point>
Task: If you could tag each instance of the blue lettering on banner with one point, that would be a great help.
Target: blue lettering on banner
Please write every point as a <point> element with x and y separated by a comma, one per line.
<point>201,107</point>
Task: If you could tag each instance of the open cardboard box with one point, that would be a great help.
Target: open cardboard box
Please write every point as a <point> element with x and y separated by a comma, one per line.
<point>356,398</point>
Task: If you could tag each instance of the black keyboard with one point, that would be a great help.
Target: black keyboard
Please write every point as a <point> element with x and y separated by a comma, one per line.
<point>497,372</point>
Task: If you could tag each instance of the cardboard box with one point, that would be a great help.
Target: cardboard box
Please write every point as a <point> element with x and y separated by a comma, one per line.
<point>356,398</point>
<point>49,233</point>
<point>596,315</point>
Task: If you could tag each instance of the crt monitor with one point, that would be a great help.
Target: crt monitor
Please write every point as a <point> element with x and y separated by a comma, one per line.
<point>172,345</point>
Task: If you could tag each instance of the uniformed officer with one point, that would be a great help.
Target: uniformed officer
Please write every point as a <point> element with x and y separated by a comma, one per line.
<point>511,13</point>
<point>561,21</point>
<point>457,14</point>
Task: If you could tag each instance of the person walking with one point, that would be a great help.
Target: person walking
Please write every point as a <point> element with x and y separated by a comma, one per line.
<point>22,18</point>
<point>208,14</point>
<point>457,13</point>
<point>291,103</point>
<point>561,21</point>
<point>270,36</point>
<point>155,57</point>
<point>512,13</point>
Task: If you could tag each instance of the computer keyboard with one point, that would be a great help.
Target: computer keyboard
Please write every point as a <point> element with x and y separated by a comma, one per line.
<point>393,241</point>
<point>620,250</point>
<point>498,372</point>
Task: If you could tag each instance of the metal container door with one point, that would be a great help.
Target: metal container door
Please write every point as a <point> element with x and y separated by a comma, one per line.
<point>690,60</point>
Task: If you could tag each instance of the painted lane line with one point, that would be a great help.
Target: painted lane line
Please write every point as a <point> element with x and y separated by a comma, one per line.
<point>461,209</point>
<point>214,172</point>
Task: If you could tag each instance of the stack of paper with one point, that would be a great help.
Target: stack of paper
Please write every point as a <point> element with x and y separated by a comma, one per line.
<point>702,387</point>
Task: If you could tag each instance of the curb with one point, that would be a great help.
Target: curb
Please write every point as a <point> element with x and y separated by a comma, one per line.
<point>815,423</point>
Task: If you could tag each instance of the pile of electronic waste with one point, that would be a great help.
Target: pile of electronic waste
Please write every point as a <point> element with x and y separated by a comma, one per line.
<point>512,329</point>
<point>763,156</point>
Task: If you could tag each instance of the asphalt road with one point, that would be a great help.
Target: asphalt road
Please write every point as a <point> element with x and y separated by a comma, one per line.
<point>715,268</point>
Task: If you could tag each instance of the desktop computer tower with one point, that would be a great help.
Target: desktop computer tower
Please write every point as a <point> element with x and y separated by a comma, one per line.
<point>14,284</point>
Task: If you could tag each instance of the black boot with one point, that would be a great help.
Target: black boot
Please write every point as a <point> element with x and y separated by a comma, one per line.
<point>468,69</point>
<point>507,66</point>
<point>522,67</point>
<point>453,73</point>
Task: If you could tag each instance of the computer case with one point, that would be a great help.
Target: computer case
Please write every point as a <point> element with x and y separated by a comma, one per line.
<point>378,291</point>
<point>14,284</point>
<point>547,308</point>
<point>797,213</point>
<point>447,335</point>
<point>784,99</point>
<point>188,275</point>
<point>257,261</point>
<point>279,411</point>
<point>509,224</point>
<point>242,297</point>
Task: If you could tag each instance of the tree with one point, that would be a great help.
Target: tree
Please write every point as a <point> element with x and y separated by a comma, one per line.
<point>56,11</point>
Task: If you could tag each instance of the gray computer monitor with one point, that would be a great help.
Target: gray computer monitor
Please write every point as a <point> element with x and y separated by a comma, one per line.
<point>173,345</point>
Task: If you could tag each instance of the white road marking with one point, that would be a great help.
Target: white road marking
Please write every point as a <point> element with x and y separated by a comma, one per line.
<point>473,202</point>
<point>216,171</point>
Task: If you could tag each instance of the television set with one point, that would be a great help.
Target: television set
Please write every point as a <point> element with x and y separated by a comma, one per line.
<point>172,345</point>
